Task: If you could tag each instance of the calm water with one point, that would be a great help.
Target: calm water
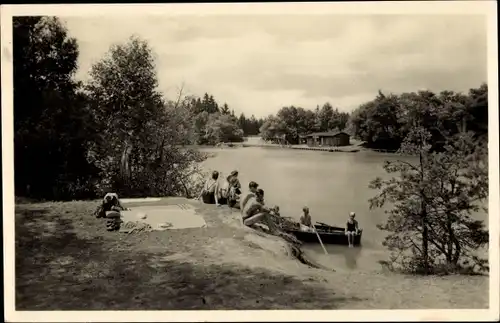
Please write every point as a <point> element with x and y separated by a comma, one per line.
<point>330,184</point>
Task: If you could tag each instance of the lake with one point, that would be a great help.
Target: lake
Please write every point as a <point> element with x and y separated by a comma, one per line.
<point>331,184</point>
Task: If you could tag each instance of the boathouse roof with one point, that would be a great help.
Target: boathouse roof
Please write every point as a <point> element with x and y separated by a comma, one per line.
<point>327,134</point>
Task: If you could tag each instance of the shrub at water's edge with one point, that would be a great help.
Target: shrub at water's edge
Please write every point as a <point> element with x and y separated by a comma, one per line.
<point>431,228</point>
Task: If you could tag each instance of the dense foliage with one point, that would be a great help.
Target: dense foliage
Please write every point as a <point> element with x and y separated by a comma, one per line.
<point>432,224</point>
<point>291,122</point>
<point>385,121</point>
<point>115,132</point>
<point>250,126</point>
<point>51,123</point>
<point>137,144</point>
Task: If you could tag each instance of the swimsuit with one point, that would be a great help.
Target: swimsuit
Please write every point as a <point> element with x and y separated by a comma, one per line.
<point>351,227</point>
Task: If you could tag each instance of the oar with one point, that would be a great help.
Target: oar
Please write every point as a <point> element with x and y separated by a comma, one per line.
<point>319,238</point>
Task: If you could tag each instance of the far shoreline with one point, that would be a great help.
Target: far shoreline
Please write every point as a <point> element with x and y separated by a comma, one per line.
<point>352,148</point>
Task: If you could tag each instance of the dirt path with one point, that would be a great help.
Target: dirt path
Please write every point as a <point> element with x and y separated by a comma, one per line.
<point>65,259</point>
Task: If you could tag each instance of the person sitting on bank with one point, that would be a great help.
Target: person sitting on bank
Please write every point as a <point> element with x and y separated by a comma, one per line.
<point>208,195</point>
<point>305,219</point>
<point>228,191</point>
<point>234,181</point>
<point>351,229</point>
<point>234,188</point>
<point>222,192</point>
<point>255,211</point>
<point>252,187</point>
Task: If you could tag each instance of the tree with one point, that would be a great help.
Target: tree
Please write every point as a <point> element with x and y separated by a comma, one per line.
<point>250,126</point>
<point>324,117</point>
<point>339,120</point>
<point>199,124</point>
<point>292,122</point>
<point>225,109</point>
<point>137,149</point>
<point>385,121</point>
<point>51,125</point>
<point>477,108</point>
<point>430,225</point>
<point>242,123</point>
<point>209,104</point>
<point>222,128</point>
<point>309,122</point>
<point>272,128</point>
<point>253,126</point>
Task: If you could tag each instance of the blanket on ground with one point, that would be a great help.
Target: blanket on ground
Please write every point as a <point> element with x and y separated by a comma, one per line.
<point>135,227</point>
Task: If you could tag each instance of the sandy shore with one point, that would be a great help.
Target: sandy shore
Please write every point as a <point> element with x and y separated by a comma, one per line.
<point>66,260</point>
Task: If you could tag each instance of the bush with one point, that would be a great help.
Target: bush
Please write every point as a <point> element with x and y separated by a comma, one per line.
<point>431,228</point>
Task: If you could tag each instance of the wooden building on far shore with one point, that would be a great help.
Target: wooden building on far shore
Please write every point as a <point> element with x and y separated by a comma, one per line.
<point>321,139</point>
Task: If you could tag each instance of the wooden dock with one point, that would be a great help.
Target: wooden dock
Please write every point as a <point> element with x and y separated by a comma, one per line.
<point>325,149</point>
<point>385,151</point>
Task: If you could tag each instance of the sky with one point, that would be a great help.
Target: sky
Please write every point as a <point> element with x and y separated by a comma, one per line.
<point>260,63</point>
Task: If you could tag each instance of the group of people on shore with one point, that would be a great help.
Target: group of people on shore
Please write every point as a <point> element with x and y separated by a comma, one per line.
<point>227,191</point>
<point>252,205</point>
<point>221,191</point>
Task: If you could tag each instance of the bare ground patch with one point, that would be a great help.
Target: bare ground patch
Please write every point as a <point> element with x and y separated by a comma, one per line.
<point>80,266</point>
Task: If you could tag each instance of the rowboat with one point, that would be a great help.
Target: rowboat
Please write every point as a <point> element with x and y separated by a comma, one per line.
<point>328,234</point>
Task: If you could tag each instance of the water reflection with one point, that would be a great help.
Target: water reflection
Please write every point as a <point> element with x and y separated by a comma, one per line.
<point>351,256</point>
<point>337,255</point>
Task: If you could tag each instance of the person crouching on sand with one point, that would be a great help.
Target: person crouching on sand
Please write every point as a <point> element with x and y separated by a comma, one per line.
<point>110,202</point>
<point>351,229</point>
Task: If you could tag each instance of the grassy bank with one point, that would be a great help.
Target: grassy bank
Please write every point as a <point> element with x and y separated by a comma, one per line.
<point>66,260</point>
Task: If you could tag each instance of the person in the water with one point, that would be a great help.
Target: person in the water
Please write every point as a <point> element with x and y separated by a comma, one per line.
<point>352,229</point>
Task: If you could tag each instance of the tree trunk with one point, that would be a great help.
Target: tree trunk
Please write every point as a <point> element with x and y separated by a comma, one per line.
<point>450,240</point>
<point>425,241</point>
<point>423,214</point>
<point>458,251</point>
<point>125,164</point>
